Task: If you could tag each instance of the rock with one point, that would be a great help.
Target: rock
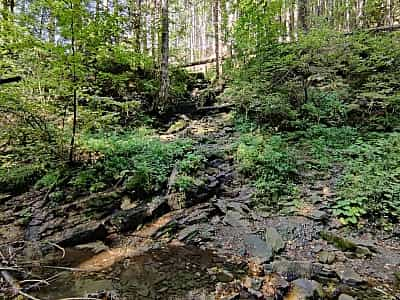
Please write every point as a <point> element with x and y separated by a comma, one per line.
<point>339,242</point>
<point>129,219</point>
<point>177,126</point>
<point>362,252</point>
<point>304,289</point>
<point>274,239</point>
<point>84,233</point>
<point>274,286</point>
<point>257,249</point>
<point>188,232</point>
<point>102,202</point>
<point>252,283</point>
<point>255,293</point>
<point>326,257</point>
<point>235,219</point>
<point>224,276</point>
<point>292,270</point>
<point>345,297</point>
<point>318,215</point>
<point>350,277</point>
<point>366,244</point>
<point>94,247</point>
<point>127,204</point>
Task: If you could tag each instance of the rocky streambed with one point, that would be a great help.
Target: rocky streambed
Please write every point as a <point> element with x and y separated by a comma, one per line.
<point>218,247</point>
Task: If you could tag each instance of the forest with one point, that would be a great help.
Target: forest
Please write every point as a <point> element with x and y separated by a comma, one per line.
<point>186,149</point>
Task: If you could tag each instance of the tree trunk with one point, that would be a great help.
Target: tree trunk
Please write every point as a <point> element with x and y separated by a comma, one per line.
<point>74,81</point>
<point>302,17</point>
<point>137,24</point>
<point>216,38</point>
<point>164,88</point>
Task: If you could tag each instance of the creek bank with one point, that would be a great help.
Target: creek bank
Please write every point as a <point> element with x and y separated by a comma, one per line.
<point>302,255</point>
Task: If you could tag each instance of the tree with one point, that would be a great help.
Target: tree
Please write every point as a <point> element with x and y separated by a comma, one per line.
<point>216,38</point>
<point>164,87</point>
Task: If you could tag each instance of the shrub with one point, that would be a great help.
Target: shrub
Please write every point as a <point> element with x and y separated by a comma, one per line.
<point>270,162</point>
<point>19,178</point>
<point>370,186</point>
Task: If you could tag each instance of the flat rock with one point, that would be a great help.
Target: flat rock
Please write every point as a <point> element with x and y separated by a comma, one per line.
<point>304,289</point>
<point>326,257</point>
<point>292,270</point>
<point>95,247</point>
<point>235,219</point>
<point>257,248</point>
<point>188,232</point>
<point>274,239</point>
<point>350,277</point>
<point>345,297</point>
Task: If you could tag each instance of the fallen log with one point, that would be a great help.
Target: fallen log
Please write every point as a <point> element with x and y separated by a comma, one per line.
<point>11,79</point>
<point>216,108</point>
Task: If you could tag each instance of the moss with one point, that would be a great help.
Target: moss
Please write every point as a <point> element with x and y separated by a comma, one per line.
<point>339,242</point>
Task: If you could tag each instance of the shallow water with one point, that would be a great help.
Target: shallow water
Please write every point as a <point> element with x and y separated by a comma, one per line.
<point>166,273</point>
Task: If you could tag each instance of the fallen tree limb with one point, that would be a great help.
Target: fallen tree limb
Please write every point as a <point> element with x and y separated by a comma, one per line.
<point>217,108</point>
<point>11,79</point>
<point>13,283</point>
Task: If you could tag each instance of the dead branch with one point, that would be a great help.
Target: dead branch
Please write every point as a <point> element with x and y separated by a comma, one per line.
<point>58,247</point>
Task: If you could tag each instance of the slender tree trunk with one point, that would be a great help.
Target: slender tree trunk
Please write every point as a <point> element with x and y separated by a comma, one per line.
<point>137,24</point>
<point>97,9</point>
<point>74,81</point>
<point>216,39</point>
<point>164,88</point>
<point>52,28</point>
<point>302,15</point>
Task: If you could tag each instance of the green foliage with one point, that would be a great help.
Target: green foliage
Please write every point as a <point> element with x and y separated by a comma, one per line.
<point>19,178</point>
<point>184,183</point>
<point>48,179</point>
<point>324,145</point>
<point>324,78</point>
<point>270,162</point>
<point>370,185</point>
<point>137,159</point>
<point>191,163</point>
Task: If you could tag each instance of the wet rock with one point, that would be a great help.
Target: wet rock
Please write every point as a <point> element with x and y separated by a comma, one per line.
<point>326,257</point>
<point>81,234</point>
<point>350,277</point>
<point>345,297</point>
<point>130,219</point>
<point>292,270</point>
<point>304,289</point>
<point>257,249</point>
<point>274,239</point>
<point>95,247</point>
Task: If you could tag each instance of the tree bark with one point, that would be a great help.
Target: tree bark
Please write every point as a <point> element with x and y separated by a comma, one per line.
<point>216,39</point>
<point>164,88</point>
<point>302,15</point>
